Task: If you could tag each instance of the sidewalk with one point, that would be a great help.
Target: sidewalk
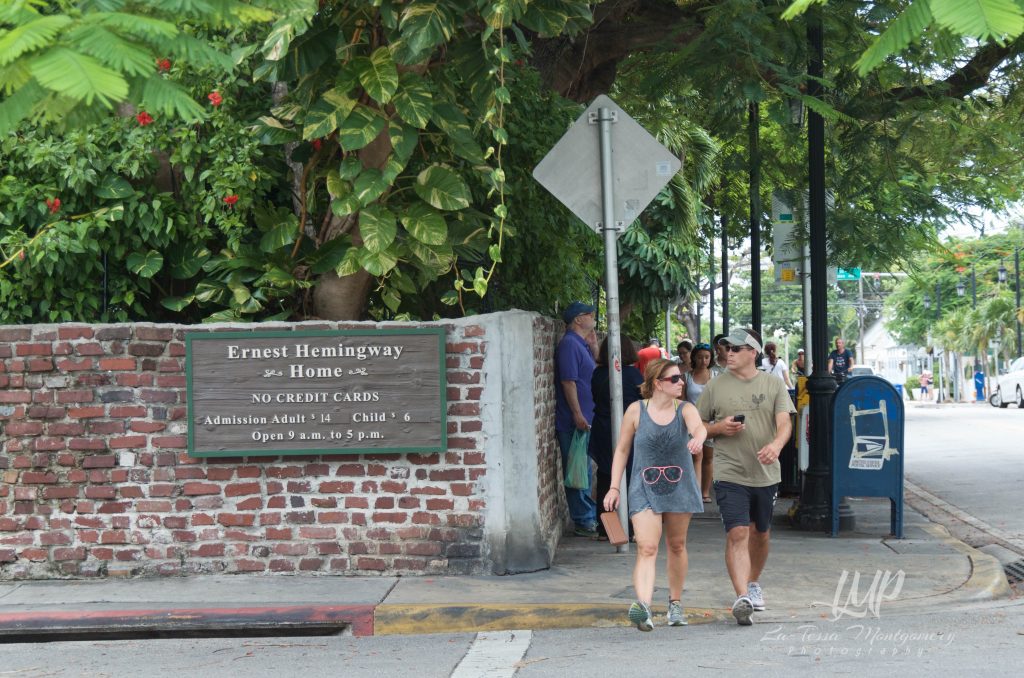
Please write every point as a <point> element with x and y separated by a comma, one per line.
<point>588,586</point>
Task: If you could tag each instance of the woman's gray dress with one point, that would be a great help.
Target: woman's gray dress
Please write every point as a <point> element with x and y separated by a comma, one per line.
<point>663,477</point>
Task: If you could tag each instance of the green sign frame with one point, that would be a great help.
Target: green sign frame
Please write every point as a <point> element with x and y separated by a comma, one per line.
<point>301,408</point>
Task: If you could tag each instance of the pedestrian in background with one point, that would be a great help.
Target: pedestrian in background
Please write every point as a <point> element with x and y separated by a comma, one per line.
<point>696,380</point>
<point>799,365</point>
<point>683,350</point>
<point>574,405</point>
<point>840,361</point>
<point>721,363</point>
<point>748,413</point>
<point>601,443</point>
<point>772,364</point>
<point>926,382</point>
<point>665,434</point>
<point>646,355</point>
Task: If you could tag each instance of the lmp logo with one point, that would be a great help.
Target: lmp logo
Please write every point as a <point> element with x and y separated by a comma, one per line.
<point>884,586</point>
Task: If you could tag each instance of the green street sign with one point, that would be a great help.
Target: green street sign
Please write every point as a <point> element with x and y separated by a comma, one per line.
<point>848,274</point>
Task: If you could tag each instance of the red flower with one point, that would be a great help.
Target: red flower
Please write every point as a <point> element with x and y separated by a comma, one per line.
<point>144,118</point>
<point>163,65</point>
<point>53,204</point>
<point>215,98</point>
<point>21,255</point>
<point>230,199</point>
<point>317,144</point>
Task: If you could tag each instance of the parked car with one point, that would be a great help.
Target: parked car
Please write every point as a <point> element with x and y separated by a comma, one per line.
<point>862,371</point>
<point>1011,386</point>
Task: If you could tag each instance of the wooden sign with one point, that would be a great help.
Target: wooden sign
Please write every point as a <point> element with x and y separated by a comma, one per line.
<point>319,392</point>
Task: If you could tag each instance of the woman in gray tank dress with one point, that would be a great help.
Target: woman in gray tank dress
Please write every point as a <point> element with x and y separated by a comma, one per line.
<point>665,434</point>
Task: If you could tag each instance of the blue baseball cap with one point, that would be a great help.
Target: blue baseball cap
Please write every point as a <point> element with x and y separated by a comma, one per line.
<point>574,309</point>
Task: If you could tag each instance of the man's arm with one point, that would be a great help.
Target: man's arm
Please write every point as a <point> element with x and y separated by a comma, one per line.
<point>571,397</point>
<point>849,362</point>
<point>783,429</point>
<point>725,427</point>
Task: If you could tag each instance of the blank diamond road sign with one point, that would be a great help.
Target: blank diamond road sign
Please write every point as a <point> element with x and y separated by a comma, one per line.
<point>641,166</point>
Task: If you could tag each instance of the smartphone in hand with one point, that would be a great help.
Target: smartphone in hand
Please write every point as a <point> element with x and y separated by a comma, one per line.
<point>739,418</point>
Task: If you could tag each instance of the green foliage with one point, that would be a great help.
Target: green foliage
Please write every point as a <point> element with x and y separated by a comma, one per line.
<point>550,257</point>
<point>72,67</point>
<point>897,36</point>
<point>125,244</point>
<point>984,20</point>
<point>411,120</point>
<point>980,19</point>
<point>955,323</point>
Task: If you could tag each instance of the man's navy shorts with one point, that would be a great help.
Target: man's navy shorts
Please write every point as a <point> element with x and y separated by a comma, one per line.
<point>742,505</point>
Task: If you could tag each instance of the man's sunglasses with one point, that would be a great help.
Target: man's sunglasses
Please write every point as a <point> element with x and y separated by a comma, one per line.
<point>736,349</point>
<point>675,378</point>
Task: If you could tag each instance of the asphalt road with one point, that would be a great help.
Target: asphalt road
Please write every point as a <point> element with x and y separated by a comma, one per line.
<point>980,641</point>
<point>971,457</point>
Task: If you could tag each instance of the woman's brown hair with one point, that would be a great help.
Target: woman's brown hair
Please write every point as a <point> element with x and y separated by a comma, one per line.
<point>655,370</point>
<point>626,346</point>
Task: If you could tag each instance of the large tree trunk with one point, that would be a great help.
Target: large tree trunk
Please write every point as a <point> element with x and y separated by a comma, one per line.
<point>336,298</point>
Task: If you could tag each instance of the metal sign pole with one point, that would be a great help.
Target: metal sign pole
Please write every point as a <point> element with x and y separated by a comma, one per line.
<point>573,169</point>
<point>605,118</point>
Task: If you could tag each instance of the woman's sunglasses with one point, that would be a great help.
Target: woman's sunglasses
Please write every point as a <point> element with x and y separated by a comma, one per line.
<point>705,347</point>
<point>675,378</point>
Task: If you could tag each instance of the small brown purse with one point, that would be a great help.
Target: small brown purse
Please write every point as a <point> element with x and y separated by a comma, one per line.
<point>612,526</point>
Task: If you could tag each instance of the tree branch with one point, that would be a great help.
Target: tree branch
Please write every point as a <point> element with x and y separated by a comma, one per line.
<point>585,65</point>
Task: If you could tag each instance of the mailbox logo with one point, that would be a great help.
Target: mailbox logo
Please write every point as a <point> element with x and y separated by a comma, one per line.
<point>871,444</point>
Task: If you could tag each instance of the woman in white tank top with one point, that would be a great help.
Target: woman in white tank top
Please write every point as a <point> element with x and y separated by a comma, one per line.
<point>696,379</point>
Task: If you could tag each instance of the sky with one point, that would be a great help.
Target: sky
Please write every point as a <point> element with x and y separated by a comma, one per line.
<point>995,222</point>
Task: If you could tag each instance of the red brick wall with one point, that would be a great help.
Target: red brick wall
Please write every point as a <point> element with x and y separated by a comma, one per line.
<point>74,398</point>
<point>554,512</point>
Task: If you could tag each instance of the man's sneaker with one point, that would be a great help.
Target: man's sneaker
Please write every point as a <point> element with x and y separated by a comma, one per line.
<point>756,596</point>
<point>640,615</point>
<point>588,532</point>
<point>676,615</point>
<point>743,610</point>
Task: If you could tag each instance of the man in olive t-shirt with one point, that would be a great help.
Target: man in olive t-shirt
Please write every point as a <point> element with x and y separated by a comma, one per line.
<point>747,471</point>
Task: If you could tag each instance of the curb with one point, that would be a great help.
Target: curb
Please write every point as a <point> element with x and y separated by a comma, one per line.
<point>356,618</point>
<point>418,619</point>
<point>988,579</point>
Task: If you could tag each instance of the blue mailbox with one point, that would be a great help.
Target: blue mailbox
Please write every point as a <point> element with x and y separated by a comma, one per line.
<point>867,446</point>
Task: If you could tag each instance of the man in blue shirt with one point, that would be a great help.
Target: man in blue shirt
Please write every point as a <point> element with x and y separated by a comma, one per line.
<point>574,404</point>
<point>840,361</point>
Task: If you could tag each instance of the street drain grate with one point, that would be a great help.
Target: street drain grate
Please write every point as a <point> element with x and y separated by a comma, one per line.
<point>1015,571</point>
<point>99,634</point>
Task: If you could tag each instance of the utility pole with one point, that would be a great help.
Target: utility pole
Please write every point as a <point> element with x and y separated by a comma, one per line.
<point>754,150</point>
<point>814,511</point>
<point>725,276</point>
<point>861,312</point>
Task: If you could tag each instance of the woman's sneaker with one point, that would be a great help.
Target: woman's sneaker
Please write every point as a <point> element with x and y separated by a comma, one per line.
<point>743,610</point>
<point>756,596</point>
<point>676,615</point>
<point>640,615</point>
